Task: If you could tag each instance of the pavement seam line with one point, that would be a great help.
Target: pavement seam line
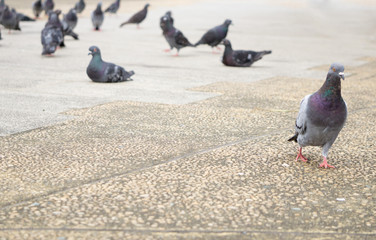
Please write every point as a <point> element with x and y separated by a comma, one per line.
<point>187,155</point>
<point>243,231</point>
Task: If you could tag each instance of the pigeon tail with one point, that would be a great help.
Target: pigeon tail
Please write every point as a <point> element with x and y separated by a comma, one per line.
<point>294,138</point>
<point>124,23</point>
<point>261,54</point>
<point>131,73</point>
<point>198,43</point>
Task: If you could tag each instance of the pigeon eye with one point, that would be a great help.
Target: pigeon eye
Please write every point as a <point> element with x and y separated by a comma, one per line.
<point>334,69</point>
<point>95,49</point>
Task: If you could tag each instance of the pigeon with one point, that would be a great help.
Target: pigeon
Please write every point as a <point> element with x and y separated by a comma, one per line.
<point>37,8</point>
<point>97,17</point>
<point>52,34</point>
<point>138,17</point>
<point>215,36</point>
<point>0,35</point>
<point>101,71</point>
<point>322,115</point>
<point>48,5</point>
<point>22,17</point>
<point>174,37</point>
<point>240,58</point>
<point>10,20</point>
<point>71,18</point>
<point>67,30</point>
<point>80,6</point>
<point>114,7</point>
<point>163,19</point>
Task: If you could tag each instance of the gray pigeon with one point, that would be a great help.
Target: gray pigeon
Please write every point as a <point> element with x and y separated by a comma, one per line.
<point>215,36</point>
<point>322,115</point>
<point>37,8</point>
<point>174,37</point>
<point>114,7</point>
<point>164,18</point>
<point>240,58</point>
<point>101,71</point>
<point>24,18</point>
<point>48,5</point>
<point>10,20</point>
<point>80,6</point>
<point>71,18</point>
<point>67,31</point>
<point>138,17</point>
<point>97,17</point>
<point>0,35</point>
<point>52,34</point>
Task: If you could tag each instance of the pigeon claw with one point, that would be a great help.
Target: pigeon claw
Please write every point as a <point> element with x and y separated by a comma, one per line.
<point>324,164</point>
<point>300,155</point>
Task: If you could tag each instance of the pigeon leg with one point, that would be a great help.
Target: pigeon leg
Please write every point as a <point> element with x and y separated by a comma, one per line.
<point>325,164</point>
<point>300,155</point>
<point>176,54</point>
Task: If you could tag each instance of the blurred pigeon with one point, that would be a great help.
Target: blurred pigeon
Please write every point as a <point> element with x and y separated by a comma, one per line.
<point>48,5</point>
<point>322,115</point>
<point>164,18</point>
<point>80,6</point>
<point>138,17</point>
<point>215,36</point>
<point>97,16</point>
<point>71,18</point>
<point>174,37</point>
<point>67,30</point>
<point>240,58</point>
<point>0,35</point>
<point>10,20</point>
<point>114,7</point>
<point>22,17</point>
<point>52,34</point>
<point>37,8</point>
<point>100,71</point>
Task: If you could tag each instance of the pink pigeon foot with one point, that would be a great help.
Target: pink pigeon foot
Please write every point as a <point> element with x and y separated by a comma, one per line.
<point>176,55</point>
<point>167,50</point>
<point>325,164</point>
<point>300,155</point>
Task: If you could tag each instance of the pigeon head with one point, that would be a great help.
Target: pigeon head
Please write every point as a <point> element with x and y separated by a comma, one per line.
<point>226,42</point>
<point>147,5</point>
<point>94,50</point>
<point>168,14</point>
<point>228,22</point>
<point>338,69</point>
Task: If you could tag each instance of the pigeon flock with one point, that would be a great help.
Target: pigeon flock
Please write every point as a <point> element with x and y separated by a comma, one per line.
<point>322,114</point>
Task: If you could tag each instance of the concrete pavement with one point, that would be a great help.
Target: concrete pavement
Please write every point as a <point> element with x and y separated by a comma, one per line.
<point>190,149</point>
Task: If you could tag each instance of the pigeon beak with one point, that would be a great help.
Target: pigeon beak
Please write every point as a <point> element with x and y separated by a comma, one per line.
<point>90,53</point>
<point>342,75</point>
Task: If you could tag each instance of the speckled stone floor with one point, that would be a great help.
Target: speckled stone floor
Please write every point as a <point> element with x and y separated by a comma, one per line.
<point>216,169</point>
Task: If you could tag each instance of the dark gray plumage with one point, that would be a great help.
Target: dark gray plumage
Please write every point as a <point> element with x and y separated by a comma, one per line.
<point>322,115</point>
<point>164,18</point>
<point>0,35</point>
<point>22,17</point>
<point>174,37</point>
<point>10,20</point>
<point>114,7</point>
<point>240,58</point>
<point>79,6</point>
<point>97,17</point>
<point>71,18</point>
<point>37,8</point>
<point>101,71</point>
<point>215,36</point>
<point>52,34</point>
<point>48,5</point>
<point>138,17</point>
<point>67,31</point>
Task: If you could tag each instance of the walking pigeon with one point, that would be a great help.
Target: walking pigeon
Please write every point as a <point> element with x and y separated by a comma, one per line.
<point>164,18</point>
<point>10,20</point>
<point>240,58</point>
<point>114,7</point>
<point>52,34</point>
<point>174,37</point>
<point>215,36</point>
<point>97,17</point>
<point>138,17</point>
<point>37,8</point>
<point>322,115</point>
<point>101,71</point>
<point>71,18</point>
<point>48,5</point>
<point>80,6</point>
<point>67,29</point>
